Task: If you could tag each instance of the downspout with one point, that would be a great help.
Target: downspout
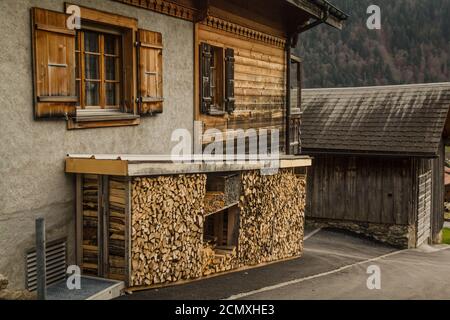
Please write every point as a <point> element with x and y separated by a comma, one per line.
<point>292,43</point>
<point>288,97</point>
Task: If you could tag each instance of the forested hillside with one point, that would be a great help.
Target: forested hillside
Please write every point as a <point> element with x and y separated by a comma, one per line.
<point>413,45</point>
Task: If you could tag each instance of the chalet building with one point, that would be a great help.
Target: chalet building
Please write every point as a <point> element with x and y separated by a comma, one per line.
<point>91,94</point>
<point>378,165</point>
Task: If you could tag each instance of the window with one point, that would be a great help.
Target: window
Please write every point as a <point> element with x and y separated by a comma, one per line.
<point>217,77</point>
<point>98,69</point>
<point>295,84</point>
<point>109,73</point>
<point>294,111</point>
<point>216,80</point>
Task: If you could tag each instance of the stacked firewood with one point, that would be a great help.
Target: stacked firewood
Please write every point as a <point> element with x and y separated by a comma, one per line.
<point>214,201</point>
<point>271,216</point>
<point>167,228</point>
<point>116,241</point>
<point>218,259</point>
<point>90,224</point>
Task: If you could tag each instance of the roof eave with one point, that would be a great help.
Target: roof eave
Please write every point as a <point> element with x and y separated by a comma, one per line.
<point>362,153</point>
<point>315,9</point>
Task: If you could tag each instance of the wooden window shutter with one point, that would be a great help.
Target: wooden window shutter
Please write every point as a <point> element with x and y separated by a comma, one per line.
<point>129,72</point>
<point>205,78</point>
<point>54,65</point>
<point>229,80</point>
<point>150,74</point>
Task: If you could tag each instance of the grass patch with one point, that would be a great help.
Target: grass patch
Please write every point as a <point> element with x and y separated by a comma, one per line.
<point>446,236</point>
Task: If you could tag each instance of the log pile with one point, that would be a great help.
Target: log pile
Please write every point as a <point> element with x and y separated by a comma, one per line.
<point>167,228</point>
<point>90,224</point>
<point>214,201</point>
<point>116,229</point>
<point>172,236</point>
<point>218,259</point>
<point>271,216</point>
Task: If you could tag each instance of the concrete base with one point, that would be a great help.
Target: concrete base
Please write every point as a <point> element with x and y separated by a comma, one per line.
<point>400,236</point>
<point>92,288</point>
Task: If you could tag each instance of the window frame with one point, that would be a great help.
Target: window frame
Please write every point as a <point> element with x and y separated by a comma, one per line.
<point>217,80</point>
<point>82,79</point>
<point>126,114</point>
<point>296,62</point>
<point>221,98</point>
<point>217,90</point>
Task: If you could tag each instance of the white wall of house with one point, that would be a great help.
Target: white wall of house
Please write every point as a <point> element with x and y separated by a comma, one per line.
<point>32,178</point>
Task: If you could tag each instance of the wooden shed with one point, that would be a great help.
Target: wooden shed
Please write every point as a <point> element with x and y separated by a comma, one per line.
<point>151,222</point>
<point>379,155</point>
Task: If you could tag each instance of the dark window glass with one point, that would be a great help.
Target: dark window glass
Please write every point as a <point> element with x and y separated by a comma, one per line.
<point>110,68</point>
<point>77,84</point>
<point>92,93</point>
<point>110,44</point>
<point>91,42</point>
<point>110,94</point>
<point>91,67</point>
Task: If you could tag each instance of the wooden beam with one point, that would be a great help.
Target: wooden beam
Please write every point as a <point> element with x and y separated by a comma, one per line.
<point>73,124</point>
<point>79,220</point>
<point>170,8</point>
<point>294,163</point>
<point>94,166</point>
<point>316,12</point>
<point>128,223</point>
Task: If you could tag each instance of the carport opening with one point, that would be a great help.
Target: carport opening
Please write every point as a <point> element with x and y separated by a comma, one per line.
<point>446,230</point>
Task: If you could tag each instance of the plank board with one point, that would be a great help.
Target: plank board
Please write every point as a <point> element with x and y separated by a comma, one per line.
<point>424,208</point>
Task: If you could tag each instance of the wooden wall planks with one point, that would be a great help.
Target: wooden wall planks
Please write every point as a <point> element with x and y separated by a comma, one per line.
<point>364,189</point>
<point>260,83</point>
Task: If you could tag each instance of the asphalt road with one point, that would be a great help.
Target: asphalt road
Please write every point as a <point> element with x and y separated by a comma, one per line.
<point>334,266</point>
<point>404,275</point>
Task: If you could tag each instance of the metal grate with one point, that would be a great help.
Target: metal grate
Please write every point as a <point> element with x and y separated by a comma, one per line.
<point>55,257</point>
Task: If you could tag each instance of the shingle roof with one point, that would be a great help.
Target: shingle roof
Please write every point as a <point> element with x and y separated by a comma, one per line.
<point>405,119</point>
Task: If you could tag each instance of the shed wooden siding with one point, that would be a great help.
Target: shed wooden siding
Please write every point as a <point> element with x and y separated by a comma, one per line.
<point>376,190</point>
<point>260,83</point>
<point>437,213</point>
<point>421,166</point>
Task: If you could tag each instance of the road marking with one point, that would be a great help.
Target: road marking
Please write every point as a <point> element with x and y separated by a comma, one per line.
<point>311,234</point>
<point>334,253</point>
<point>295,281</point>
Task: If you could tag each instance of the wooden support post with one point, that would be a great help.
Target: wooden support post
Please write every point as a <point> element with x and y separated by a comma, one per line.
<point>105,225</point>
<point>40,260</point>
<point>79,220</point>
<point>100,246</point>
<point>233,226</point>
<point>288,99</point>
<point>128,221</point>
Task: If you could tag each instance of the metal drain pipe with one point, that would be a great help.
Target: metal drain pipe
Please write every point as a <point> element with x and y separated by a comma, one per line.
<point>41,271</point>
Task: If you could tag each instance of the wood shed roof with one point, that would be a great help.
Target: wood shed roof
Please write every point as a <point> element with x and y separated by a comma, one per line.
<point>151,165</point>
<point>399,120</point>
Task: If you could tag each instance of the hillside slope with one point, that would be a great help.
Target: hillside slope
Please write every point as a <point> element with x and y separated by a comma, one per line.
<point>413,46</point>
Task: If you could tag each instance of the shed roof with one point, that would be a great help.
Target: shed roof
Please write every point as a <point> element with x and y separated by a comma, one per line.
<point>402,120</point>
